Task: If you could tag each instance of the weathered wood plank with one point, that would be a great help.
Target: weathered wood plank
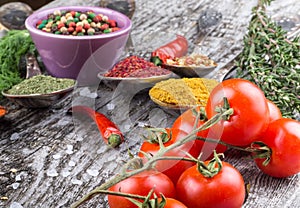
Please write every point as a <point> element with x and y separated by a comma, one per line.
<point>59,158</point>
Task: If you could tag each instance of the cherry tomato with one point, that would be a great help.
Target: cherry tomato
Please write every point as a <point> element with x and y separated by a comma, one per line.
<point>226,189</point>
<point>172,168</point>
<point>141,184</point>
<point>275,112</point>
<point>251,114</point>
<point>186,122</point>
<point>283,138</point>
<point>173,203</point>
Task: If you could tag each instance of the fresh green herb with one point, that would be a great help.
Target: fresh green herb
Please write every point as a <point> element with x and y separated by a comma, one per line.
<point>41,84</point>
<point>13,46</point>
<point>271,61</point>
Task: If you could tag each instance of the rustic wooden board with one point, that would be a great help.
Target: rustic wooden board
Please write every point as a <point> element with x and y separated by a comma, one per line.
<point>50,159</point>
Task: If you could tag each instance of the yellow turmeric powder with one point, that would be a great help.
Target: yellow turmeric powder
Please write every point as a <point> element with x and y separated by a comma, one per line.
<point>183,92</point>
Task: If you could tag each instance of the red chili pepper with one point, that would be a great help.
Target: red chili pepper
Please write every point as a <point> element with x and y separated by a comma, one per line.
<point>174,49</point>
<point>109,131</point>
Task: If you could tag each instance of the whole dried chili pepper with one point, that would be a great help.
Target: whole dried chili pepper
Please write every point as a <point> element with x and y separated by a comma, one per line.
<point>174,49</point>
<point>109,131</point>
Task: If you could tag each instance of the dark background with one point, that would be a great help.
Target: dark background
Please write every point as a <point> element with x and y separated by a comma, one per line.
<point>34,4</point>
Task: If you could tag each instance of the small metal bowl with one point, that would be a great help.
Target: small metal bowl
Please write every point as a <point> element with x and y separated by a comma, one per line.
<point>189,71</point>
<point>39,100</point>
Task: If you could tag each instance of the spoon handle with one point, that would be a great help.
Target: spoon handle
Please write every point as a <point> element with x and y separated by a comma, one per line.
<point>32,67</point>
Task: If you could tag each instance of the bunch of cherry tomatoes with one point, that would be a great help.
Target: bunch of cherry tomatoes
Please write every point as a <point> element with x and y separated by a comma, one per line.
<point>256,125</point>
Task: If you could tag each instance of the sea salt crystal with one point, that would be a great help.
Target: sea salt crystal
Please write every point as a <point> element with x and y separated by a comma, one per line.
<point>14,136</point>
<point>76,181</point>
<point>127,127</point>
<point>69,149</point>
<point>52,173</point>
<point>87,93</point>
<point>63,122</point>
<point>20,176</point>
<point>72,163</point>
<point>142,124</point>
<point>15,185</point>
<point>110,106</point>
<point>92,172</point>
<point>56,156</point>
<point>15,205</point>
<point>65,173</point>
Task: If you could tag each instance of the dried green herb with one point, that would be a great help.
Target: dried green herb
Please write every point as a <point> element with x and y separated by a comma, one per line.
<point>41,84</point>
<point>271,61</point>
<point>13,46</point>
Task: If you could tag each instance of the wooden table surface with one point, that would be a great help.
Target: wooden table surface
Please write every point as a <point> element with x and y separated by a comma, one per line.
<point>50,159</point>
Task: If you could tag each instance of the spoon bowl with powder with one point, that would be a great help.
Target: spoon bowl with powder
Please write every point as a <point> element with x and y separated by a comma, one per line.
<point>40,91</point>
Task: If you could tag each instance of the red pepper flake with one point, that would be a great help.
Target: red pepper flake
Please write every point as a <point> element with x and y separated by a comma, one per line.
<point>134,66</point>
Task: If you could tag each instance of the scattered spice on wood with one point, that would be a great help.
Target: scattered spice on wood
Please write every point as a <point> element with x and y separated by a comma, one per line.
<point>134,66</point>
<point>183,92</point>
<point>41,84</point>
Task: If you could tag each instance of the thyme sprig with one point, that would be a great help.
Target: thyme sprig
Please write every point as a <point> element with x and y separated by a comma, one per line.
<point>271,61</point>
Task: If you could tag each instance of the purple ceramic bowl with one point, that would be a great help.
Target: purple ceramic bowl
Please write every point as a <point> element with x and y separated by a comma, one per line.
<point>71,56</point>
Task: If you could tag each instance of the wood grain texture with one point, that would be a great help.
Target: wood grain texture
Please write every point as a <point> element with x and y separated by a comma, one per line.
<point>50,159</point>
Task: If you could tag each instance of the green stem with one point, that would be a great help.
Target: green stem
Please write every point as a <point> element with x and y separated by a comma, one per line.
<point>225,144</point>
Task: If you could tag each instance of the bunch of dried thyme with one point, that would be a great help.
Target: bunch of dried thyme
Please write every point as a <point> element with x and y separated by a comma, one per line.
<point>272,61</point>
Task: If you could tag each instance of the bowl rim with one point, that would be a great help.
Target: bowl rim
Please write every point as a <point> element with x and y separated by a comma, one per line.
<point>31,21</point>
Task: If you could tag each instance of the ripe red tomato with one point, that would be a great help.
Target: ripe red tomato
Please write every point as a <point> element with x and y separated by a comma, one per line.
<point>173,203</point>
<point>283,137</point>
<point>251,114</point>
<point>274,111</point>
<point>172,168</point>
<point>226,189</point>
<point>186,122</point>
<point>141,184</point>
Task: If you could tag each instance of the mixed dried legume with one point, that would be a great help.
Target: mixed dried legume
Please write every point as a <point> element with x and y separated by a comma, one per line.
<point>134,66</point>
<point>77,23</point>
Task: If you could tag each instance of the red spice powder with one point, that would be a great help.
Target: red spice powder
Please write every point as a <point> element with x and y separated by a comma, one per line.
<point>134,66</point>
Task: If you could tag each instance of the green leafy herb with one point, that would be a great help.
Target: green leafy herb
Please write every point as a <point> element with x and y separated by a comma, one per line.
<point>13,46</point>
<point>271,61</point>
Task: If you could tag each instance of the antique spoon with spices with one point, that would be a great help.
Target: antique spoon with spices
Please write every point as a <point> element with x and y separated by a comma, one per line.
<point>37,90</point>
